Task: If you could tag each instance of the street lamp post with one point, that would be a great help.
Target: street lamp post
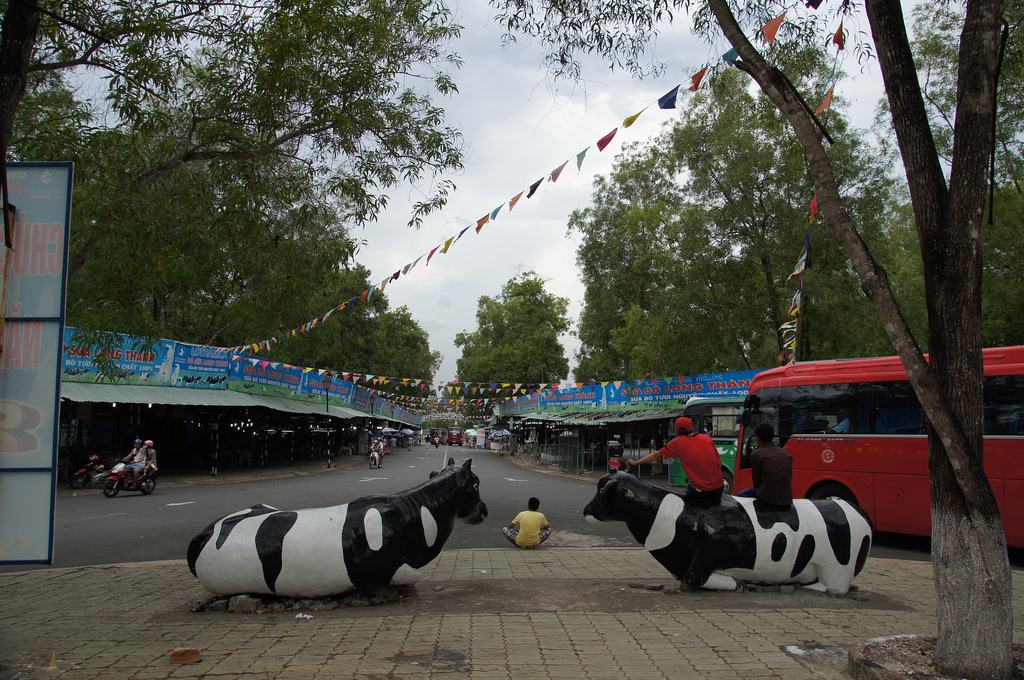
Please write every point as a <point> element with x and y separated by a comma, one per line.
<point>327,407</point>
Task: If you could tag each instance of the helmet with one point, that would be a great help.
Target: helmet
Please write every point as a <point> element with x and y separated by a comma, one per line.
<point>149,442</point>
<point>138,441</point>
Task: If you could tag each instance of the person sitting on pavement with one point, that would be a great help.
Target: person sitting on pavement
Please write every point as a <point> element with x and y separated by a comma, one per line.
<point>530,527</point>
<point>772,470</point>
<point>136,460</point>
<point>700,460</point>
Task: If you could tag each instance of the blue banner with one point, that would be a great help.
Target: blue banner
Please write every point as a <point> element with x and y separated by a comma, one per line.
<point>144,361</point>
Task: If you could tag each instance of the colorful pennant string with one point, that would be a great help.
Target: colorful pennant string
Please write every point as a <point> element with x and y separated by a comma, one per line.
<point>666,101</point>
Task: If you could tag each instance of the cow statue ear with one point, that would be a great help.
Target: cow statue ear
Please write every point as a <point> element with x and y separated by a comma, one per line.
<point>434,473</point>
<point>468,462</point>
<point>451,461</point>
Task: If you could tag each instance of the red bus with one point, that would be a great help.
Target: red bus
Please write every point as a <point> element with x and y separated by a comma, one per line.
<point>856,430</point>
<point>454,436</point>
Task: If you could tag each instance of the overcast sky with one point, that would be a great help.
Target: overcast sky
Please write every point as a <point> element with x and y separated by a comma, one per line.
<point>519,126</point>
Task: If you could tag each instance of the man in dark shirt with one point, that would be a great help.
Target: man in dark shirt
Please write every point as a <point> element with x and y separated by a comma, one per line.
<point>772,469</point>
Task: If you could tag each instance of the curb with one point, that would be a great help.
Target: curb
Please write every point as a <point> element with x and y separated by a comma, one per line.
<point>862,668</point>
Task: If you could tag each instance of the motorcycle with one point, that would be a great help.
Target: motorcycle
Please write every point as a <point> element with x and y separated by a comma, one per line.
<point>120,478</point>
<point>94,471</point>
<point>436,442</point>
<point>375,459</point>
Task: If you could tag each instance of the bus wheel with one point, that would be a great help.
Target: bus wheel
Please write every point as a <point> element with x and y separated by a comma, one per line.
<point>833,491</point>
<point>727,476</point>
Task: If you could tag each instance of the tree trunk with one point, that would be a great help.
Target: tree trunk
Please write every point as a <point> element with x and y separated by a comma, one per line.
<point>17,40</point>
<point>972,575</point>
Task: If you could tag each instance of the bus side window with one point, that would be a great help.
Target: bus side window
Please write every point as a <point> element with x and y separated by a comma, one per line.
<point>1004,405</point>
<point>897,409</point>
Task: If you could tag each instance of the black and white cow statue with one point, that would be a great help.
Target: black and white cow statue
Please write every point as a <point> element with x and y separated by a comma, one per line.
<point>822,544</point>
<point>316,552</point>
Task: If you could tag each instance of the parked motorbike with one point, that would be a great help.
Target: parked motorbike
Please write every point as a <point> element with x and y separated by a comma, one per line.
<point>375,459</point>
<point>120,478</point>
<point>94,471</point>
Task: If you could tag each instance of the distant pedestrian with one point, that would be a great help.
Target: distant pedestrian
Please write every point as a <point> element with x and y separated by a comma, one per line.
<point>530,528</point>
<point>771,468</point>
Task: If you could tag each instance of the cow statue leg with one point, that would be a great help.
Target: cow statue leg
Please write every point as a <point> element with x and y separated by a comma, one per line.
<point>718,581</point>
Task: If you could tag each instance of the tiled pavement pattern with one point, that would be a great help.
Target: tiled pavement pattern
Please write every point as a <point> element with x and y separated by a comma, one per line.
<point>480,614</point>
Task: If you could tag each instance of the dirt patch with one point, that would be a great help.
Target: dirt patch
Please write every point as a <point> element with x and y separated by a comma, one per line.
<point>910,656</point>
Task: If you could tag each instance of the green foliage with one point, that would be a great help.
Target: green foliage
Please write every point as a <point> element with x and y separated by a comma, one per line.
<point>687,249</point>
<point>234,148</point>
<point>322,85</point>
<point>517,336</point>
<point>937,42</point>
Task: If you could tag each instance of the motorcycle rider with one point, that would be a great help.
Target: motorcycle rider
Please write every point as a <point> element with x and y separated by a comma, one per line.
<point>150,456</point>
<point>136,460</point>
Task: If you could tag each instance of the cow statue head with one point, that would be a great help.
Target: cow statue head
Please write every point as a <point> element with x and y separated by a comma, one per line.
<point>620,496</point>
<point>471,509</point>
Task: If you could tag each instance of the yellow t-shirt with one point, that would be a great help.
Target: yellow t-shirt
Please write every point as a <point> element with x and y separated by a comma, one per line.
<point>530,523</point>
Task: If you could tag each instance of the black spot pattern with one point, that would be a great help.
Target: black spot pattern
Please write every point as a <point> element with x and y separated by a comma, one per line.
<point>230,523</point>
<point>804,555</point>
<point>269,541</point>
<point>196,545</point>
<point>839,531</point>
<point>779,547</point>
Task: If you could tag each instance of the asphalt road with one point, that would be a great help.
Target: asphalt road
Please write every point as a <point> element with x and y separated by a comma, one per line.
<point>92,529</point>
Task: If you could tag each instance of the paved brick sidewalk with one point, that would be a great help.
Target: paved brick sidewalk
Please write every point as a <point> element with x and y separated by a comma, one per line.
<point>509,614</point>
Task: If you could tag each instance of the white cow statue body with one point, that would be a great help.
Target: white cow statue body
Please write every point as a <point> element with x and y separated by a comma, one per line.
<point>316,552</point>
<point>822,544</point>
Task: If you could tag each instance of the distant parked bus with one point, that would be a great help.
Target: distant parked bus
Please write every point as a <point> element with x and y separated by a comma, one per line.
<point>719,418</point>
<point>454,436</point>
<point>856,430</point>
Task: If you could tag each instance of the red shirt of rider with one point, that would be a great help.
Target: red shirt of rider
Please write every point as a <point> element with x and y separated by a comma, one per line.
<point>699,458</point>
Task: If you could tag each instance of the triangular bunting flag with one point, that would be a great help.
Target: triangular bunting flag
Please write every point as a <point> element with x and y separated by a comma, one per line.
<point>481,222</point>
<point>533,188</point>
<point>606,140</point>
<point>697,77</point>
<point>668,100</point>
<point>731,57</point>
<point>839,39</point>
<point>632,119</point>
<point>772,27</point>
<point>579,158</point>
<point>494,213</point>
<point>825,104</point>
<point>557,171</point>
<point>432,253</point>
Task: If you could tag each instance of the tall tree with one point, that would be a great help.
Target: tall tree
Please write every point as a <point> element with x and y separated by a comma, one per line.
<point>936,30</point>
<point>968,543</point>
<point>517,336</point>
<point>323,83</point>
<point>687,251</point>
<point>620,257</point>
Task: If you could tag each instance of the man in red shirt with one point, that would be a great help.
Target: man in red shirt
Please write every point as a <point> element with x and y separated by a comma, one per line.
<point>700,461</point>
